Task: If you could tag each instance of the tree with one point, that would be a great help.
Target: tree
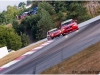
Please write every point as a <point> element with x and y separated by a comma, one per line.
<point>16,26</point>
<point>28,26</point>
<point>25,40</point>
<point>11,13</point>
<point>33,25</point>
<point>35,3</point>
<point>34,31</point>
<point>77,11</point>
<point>2,18</point>
<point>60,15</point>
<point>21,5</point>
<point>44,24</point>
<point>60,6</point>
<point>46,6</point>
<point>9,38</point>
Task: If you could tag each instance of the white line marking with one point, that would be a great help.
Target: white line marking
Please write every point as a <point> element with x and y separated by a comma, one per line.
<point>21,57</point>
<point>9,64</point>
<point>32,51</point>
<point>50,41</point>
<point>28,53</point>
<point>77,31</point>
<point>45,44</point>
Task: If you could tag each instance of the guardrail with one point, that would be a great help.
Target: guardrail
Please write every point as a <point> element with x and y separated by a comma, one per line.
<point>37,67</point>
<point>89,21</point>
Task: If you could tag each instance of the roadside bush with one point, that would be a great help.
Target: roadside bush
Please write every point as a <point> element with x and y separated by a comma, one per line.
<point>9,38</point>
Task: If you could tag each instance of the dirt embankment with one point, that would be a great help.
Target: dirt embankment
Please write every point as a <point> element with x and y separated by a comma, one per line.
<point>92,7</point>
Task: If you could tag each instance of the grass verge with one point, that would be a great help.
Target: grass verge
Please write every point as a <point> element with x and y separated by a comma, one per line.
<point>13,55</point>
<point>84,62</point>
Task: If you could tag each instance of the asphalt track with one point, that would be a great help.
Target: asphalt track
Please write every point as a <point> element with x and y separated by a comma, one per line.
<point>59,50</point>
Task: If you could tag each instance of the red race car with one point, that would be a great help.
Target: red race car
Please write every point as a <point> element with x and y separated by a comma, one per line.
<point>53,33</point>
<point>69,26</point>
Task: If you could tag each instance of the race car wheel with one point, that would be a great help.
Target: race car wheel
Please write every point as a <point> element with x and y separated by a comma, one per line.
<point>52,38</point>
<point>63,34</point>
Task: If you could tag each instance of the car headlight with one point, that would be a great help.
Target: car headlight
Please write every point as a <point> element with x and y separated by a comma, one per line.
<point>62,29</point>
<point>75,24</point>
<point>52,34</point>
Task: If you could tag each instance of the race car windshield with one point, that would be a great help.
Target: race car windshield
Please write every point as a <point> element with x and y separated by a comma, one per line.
<point>67,23</point>
<point>52,30</point>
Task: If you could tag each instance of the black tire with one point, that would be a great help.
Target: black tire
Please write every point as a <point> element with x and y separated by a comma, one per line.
<point>63,34</point>
<point>52,38</point>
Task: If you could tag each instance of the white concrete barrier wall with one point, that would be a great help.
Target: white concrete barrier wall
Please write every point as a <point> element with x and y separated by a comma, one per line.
<point>3,51</point>
<point>89,21</point>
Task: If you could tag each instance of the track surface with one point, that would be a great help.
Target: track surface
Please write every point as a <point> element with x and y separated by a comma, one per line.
<point>60,49</point>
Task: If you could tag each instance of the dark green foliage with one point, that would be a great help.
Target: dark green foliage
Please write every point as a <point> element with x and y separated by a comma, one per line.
<point>46,6</point>
<point>29,21</point>
<point>25,40</point>
<point>44,24</point>
<point>60,6</point>
<point>9,38</point>
<point>16,26</point>
<point>60,15</point>
<point>34,31</point>
<point>29,25</point>
<point>2,18</point>
<point>35,3</point>
<point>21,5</point>
<point>77,11</point>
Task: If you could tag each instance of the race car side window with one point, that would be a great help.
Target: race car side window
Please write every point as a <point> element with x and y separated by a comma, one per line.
<point>67,23</point>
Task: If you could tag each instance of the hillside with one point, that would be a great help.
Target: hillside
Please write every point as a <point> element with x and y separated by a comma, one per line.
<point>85,62</point>
<point>92,7</point>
